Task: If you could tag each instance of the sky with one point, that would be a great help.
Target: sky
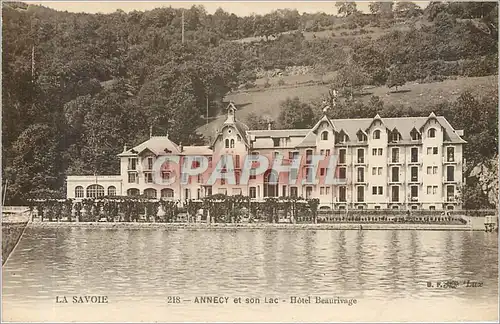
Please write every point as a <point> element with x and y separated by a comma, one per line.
<point>240,8</point>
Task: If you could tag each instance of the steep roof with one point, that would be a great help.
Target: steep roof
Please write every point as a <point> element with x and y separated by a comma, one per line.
<point>156,144</point>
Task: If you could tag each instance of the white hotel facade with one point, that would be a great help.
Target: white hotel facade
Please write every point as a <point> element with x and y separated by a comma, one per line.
<point>384,163</point>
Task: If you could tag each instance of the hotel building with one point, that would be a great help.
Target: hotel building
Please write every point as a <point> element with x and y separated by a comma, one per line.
<point>382,163</point>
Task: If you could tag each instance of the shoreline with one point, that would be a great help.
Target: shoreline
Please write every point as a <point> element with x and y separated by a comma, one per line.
<point>231,226</point>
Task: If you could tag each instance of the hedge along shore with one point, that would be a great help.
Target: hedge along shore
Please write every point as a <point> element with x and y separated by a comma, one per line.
<point>223,226</point>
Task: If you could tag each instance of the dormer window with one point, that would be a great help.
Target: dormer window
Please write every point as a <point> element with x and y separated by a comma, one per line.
<point>324,136</point>
<point>276,142</point>
<point>227,143</point>
<point>232,143</point>
<point>238,137</point>
<point>376,134</point>
<point>395,136</point>
<point>415,135</point>
<point>361,137</point>
<point>431,132</point>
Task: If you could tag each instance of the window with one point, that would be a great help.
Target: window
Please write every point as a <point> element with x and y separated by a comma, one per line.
<point>222,181</point>
<point>276,142</point>
<point>380,151</point>
<point>414,154</point>
<point>237,161</point>
<point>253,192</point>
<point>450,154</point>
<point>361,137</point>
<point>283,191</point>
<point>293,192</point>
<point>450,173</point>
<point>376,134</point>
<point>187,193</point>
<point>111,191</point>
<point>133,192</point>
<point>377,190</point>
<point>324,136</point>
<point>450,193</point>
<point>431,132</point>
<point>79,192</point>
<point>327,190</point>
<point>374,151</point>
<point>361,174</point>
<point>237,176</point>
<point>148,177</point>
<point>94,191</point>
<point>374,171</point>
<point>199,178</point>
<point>395,155</point>
<point>432,207</point>
<point>361,156</point>
<point>271,179</point>
<point>150,193</point>
<point>377,207</point>
<point>395,136</point>
<point>322,171</point>
<point>132,163</point>
<point>232,143</point>
<point>308,156</point>
<point>227,143</point>
<point>132,177</point>
<point>434,150</point>
<point>429,170</point>
<point>309,174</point>
<point>327,152</point>
<point>434,190</point>
<point>361,194</point>
<point>342,153</point>
<point>414,174</point>
<point>208,191</point>
<point>238,137</point>
<point>342,207</point>
<point>342,194</point>
<point>414,192</point>
<point>294,173</point>
<point>429,190</point>
<point>434,170</point>
<point>150,163</point>
<point>167,193</point>
<point>415,135</point>
<point>395,174</point>
<point>342,173</point>
<point>253,175</point>
<point>309,191</point>
<point>395,194</point>
<point>380,171</point>
<point>322,191</point>
<point>198,193</point>
<point>321,152</point>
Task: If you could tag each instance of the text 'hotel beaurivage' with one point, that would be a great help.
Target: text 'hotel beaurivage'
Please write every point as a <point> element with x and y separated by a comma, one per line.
<point>409,162</point>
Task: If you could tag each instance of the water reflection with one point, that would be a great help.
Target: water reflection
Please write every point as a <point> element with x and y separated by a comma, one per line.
<point>141,264</point>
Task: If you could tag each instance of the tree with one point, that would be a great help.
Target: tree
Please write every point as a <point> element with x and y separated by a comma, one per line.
<point>349,80</point>
<point>396,77</point>
<point>407,9</point>
<point>295,114</point>
<point>346,8</point>
<point>256,122</point>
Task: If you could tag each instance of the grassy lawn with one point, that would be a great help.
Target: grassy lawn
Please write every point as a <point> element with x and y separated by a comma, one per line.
<point>265,101</point>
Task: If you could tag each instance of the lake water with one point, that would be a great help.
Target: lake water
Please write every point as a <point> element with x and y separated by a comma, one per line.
<point>141,269</point>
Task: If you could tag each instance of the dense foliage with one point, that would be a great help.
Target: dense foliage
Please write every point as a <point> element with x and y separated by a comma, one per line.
<point>77,87</point>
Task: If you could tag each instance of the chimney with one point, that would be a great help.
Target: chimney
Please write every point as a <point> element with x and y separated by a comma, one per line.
<point>269,126</point>
<point>125,148</point>
<point>150,131</point>
<point>167,134</point>
<point>181,147</point>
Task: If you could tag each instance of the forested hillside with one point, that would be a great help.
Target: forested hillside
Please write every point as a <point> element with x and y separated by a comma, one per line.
<point>77,87</point>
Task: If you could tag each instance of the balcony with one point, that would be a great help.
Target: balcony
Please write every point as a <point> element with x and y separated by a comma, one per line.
<point>396,181</point>
<point>450,199</point>
<point>415,180</point>
<point>449,160</point>
<point>414,161</point>
<point>360,161</point>
<point>450,180</point>
<point>414,199</point>
<point>395,162</point>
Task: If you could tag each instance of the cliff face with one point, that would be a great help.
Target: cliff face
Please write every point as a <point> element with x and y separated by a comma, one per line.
<point>487,173</point>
